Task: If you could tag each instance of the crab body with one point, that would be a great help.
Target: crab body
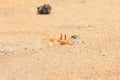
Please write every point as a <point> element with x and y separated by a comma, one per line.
<point>61,41</point>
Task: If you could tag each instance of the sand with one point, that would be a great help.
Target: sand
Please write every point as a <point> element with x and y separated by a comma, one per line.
<point>25,55</point>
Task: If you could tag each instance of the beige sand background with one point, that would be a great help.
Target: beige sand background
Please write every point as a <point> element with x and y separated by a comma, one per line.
<point>94,56</point>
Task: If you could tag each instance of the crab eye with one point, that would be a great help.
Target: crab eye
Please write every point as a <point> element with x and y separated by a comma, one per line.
<point>37,7</point>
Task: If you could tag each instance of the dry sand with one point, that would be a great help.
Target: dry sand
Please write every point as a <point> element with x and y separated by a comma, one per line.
<point>94,56</point>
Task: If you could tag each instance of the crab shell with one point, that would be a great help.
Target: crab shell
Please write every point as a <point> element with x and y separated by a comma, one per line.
<point>63,42</point>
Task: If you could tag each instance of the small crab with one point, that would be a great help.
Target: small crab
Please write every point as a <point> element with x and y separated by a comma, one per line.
<point>61,40</point>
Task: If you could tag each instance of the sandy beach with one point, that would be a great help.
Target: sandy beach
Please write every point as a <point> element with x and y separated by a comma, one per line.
<point>94,55</point>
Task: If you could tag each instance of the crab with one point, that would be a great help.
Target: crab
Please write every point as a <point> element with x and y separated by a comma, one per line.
<point>61,40</point>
